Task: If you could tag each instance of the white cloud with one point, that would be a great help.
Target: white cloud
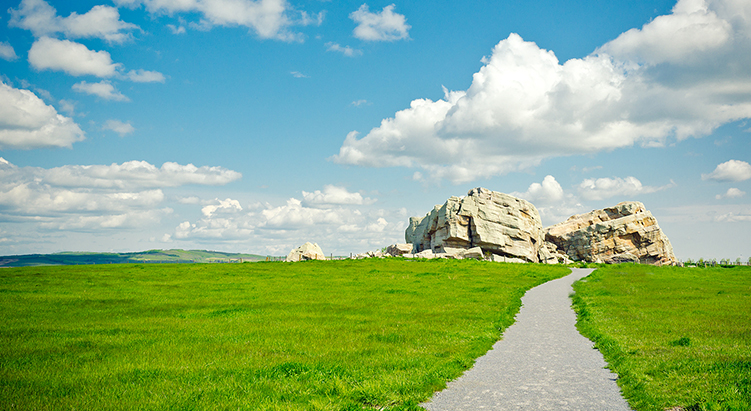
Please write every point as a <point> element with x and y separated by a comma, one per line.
<point>691,30</point>
<point>267,18</point>
<point>118,127</point>
<point>383,26</point>
<point>346,50</point>
<point>224,206</point>
<point>359,103</point>
<point>731,193</point>
<point>523,106</point>
<point>95,198</point>
<point>27,122</point>
<point>73,58</point>
<point>278,229</point>
<point>7,52</point>
<point>145,76</point>
<point>67,106</point>
<point>546,193</point>
<point>131,175</point>
<point>42,20</point>
<point>333,195</point>
<point>103,89</point>
<point>553,203</point>
<point>604,188</point>
<point>295,215</point>
<point>176,29</point>
<point>733,170</point>
<point>733,218</point>
<point>297,74</point>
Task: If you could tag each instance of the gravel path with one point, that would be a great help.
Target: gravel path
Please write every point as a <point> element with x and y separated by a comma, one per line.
<point>542,363</point>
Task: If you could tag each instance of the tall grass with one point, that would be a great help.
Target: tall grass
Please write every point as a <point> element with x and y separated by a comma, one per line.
<point>677,337</point>
<point>337,335</point>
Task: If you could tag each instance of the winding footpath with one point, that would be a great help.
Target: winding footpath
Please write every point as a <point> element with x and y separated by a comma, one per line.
<point>542,363</point>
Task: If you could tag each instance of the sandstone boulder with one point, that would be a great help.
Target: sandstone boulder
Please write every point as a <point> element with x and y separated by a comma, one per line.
<point>397,250</point>
<point>307,251</point>
<point>497,223</point>
<point>624,233</point>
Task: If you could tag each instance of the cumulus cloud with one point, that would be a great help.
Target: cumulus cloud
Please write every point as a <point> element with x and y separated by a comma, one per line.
<point>73,58</point>
<point>346,50</point>
<point>383,26</point>
<point>524,106</point>
<point>333,195</point>
<point>42,20</point>
<point>691,30</point>
<point>267,18</point>
<point>604,188</point>
<point>733,170</point>
<point>26,122</point>
<point>223,206</point>
<point>7,52</point>
<point>91,198</point>
<point>553,203</point>
<point>546,193</point>
<point>731,193</point>
<point>118,127</point>
<point>77,60</point>
<point>103,89</point>
<point>346,223</point>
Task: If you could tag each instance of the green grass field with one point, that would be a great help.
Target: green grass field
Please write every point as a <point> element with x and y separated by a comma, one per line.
<point>677,337</point>
<point>336,335</point>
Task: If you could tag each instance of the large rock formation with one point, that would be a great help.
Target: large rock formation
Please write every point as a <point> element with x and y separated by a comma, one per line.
<point>497,223</point>
<point>307,251</point>
<point>509,229</point>
<point>624,233</point>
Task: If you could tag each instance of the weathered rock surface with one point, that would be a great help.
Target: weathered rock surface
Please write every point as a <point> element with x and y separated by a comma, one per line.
<point>397,250</point>
<point>509,229</point>
<point>498,223</point>
<point>307,251</point>
<point>624,233</point>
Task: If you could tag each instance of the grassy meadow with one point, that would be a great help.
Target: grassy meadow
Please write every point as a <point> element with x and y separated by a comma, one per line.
<point>677,337</point>
<point>334,335</point>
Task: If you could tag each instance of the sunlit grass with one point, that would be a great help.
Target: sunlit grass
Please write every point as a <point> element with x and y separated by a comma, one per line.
<point>677,337</point>
<point>338,335</point>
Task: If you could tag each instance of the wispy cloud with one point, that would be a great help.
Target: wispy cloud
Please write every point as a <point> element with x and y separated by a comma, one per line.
<point>346,50</point>
<point>118,127</point>
<point>7,52</point>
<point>103,89</point>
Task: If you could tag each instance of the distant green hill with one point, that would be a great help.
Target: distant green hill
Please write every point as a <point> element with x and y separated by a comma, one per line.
<point>151,256</point>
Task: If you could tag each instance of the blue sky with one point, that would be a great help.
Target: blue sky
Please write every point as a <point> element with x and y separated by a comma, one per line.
<point>255,126</point>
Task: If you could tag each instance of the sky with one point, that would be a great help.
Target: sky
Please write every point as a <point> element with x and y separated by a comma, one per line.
<point>256,126</point>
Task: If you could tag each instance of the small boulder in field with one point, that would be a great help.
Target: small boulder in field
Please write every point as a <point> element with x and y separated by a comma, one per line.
<point>397,250</point>
<point>307,251</point>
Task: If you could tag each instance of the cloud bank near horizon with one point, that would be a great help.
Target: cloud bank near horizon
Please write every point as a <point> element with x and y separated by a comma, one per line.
<point>648,87</point>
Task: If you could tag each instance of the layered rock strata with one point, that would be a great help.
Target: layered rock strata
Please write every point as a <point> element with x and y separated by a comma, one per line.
<point>625,233</point>
<point>508,229</point>
<point>498,223</point>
